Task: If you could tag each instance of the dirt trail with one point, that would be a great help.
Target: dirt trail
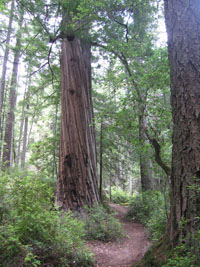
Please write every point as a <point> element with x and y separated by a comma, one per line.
<point>130,249</point>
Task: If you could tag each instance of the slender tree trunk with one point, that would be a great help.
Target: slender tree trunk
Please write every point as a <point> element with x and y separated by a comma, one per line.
<point>54,171</point>
<point>77,179</point>
<point>130,151</point>
<point>121,168</point>
<point>145,168</point>
<point>110,187</point>
<point>4,70</point>
<point>31,124</point>
<point>20,137</point>
<point>22,120</point>
<point>101,162</point>
<point>9,129</point>
<point>25,141</point>
<point>183,28</point>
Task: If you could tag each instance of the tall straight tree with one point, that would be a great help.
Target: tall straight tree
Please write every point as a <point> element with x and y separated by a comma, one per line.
<point>183,28</point>
<point>4,71</point>
<point>77,179</point>
<point>10,118</point>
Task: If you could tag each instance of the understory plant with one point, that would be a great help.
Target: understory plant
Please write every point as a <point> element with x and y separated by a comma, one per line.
<point>33,232</point>
<point>150,208</point>
<point>120,196</point>
<point>187,253</point>
<point>100,224</point>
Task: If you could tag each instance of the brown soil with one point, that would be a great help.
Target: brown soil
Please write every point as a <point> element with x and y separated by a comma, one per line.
<point>125,252</point>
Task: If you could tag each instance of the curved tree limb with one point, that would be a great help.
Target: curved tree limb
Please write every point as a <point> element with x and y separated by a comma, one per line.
<point>157,150</point>
<point>124,61</point>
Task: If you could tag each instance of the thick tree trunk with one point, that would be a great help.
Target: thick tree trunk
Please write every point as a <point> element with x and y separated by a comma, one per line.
<point>9,128</point>
<point>77,179</point>
<point>183,28</point>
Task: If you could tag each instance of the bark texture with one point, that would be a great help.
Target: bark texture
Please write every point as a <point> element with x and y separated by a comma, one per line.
<point>183,28</point>
<point>77,179</point>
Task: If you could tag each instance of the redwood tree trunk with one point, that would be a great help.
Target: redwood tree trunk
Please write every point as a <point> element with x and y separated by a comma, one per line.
<point>183,28</point>
<point>77,179</point>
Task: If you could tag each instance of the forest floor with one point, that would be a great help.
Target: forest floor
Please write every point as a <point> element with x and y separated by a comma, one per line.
<point>125,252</point>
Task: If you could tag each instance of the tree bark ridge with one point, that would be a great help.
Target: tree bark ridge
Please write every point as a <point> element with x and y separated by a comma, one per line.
<point>77,180</point>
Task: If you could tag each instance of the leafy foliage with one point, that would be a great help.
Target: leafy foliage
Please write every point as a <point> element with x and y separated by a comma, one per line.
<point>186,254</point>
<point>101,225</point>
<point>120,196</point>
<point>42,155</point>
<point>32,230</point>
<point>149,209</point>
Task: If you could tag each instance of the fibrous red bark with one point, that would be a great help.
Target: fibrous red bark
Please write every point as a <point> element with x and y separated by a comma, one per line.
<point>183,28</point>
<point>77,179</point>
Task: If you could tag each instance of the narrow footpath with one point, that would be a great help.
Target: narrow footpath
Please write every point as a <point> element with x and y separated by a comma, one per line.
<point>122,253</point>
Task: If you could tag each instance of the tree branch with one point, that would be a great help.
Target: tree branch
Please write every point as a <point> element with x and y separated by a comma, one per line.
<point>124,61</point>
<point>125,26</point>
<point>157,150</point>
<point>42,66</point>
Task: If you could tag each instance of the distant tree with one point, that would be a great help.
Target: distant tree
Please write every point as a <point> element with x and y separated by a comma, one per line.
<point>10,118</point>
<point>126,35</point>
<point>4,71</point>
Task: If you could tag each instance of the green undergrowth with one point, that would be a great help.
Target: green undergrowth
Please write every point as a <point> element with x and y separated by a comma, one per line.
<point>187,253</point>
<point>32,231</point>
<point>120,196</point>
<point>100,224</point>
<point>150,209</point>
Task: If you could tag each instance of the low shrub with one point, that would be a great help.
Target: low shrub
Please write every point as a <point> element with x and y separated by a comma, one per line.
<point>32,232</point>
<point>186,254</point>
<point>119,196</point>
<point>102,225</point>
<point>149,208</point>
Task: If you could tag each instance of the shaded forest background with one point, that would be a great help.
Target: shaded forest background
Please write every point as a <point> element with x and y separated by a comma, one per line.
<point>130,94</point>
